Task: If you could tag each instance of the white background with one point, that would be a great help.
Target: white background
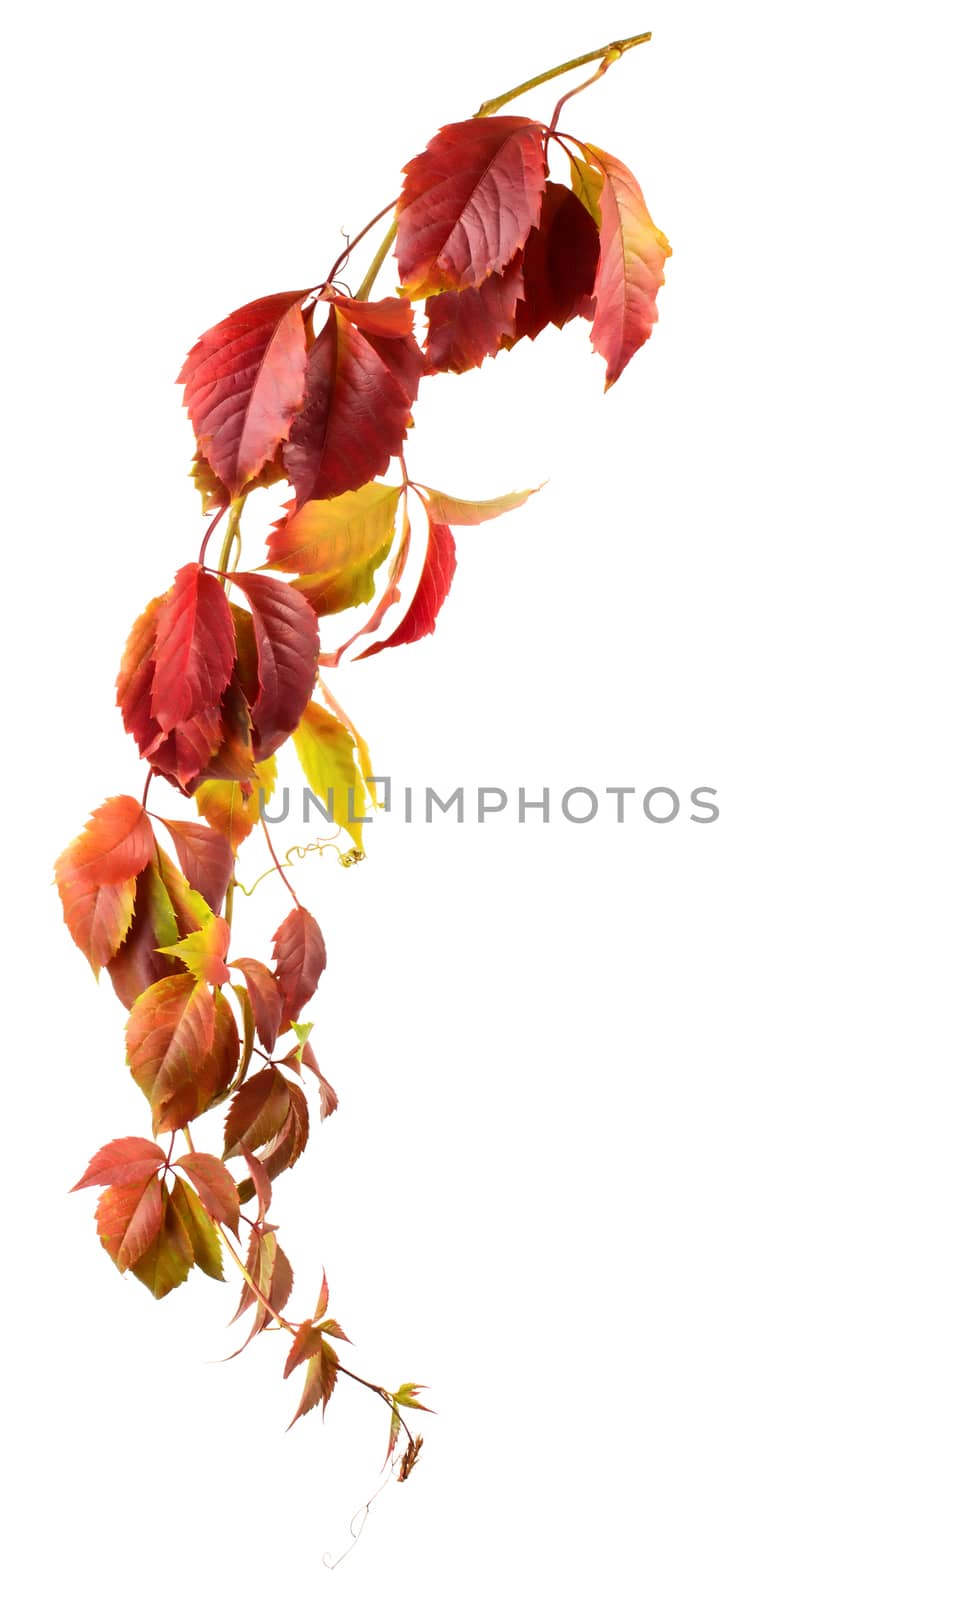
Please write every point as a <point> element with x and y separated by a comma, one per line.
<point>651,1157</point>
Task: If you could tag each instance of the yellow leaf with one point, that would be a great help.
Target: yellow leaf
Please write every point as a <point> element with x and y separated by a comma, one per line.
<point>587,187</point>
<point>331,538</point>
<point>455,513</point>
<point>226,808</point>
<point>327,753</point>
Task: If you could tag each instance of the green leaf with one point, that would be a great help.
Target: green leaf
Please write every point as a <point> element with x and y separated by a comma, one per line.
<point>168,1260</point>
<point>203,1237</point>
<point>405,1396</point>
<point>249,1027</point>
<point>395,1432</point>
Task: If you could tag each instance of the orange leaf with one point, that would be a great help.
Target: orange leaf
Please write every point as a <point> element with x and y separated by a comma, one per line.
<point>214,1186</point>
<point>170,1032</point>
<point>116,843</point>
<point>257,1113</point>
<point>123,1161</point>
<point>306,1342</point>
<point>96,877</point>
<point>322,1368</point>
<point>129,1217</point>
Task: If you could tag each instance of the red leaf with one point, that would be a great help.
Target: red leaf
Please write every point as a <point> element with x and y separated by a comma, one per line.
<point>559,264</point>
<point>266,999</point>
<point>433,585</point>
<point>232,759</point>
<point>466,326</point>
<point>214,1186</point>
<point>287,646</point>
<point>289,1143</point>
<point>244,383</point>
<point>129,1217</point>
<point>134,683</point>
<point>300,956</point>
<point>468,203</point>
<point>195,646</point>
<point>215,495</point>
<point>262,1188</point>
<point>124,1161</point>
<point>302,1056</point>
<point>185,753</point>
<point>391,595</point>
<point>362,381</point>
<point>205,857</point>
<point>630,272</point>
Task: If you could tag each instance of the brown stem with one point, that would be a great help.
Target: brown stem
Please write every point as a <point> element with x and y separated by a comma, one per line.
<point>345,254</point>
<point>210,530</point>
<point>376,1389</point>
<point>276,863</point>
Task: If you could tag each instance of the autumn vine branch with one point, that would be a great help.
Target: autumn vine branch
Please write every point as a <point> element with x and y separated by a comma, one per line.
<point>314,389</point>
